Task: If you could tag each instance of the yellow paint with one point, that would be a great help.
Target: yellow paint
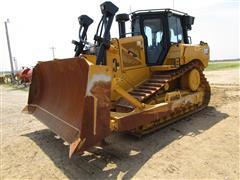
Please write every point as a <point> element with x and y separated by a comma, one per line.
<point>95,69</point>
<point>129,97</point>
<point>200,52</point>
<point>170,96</point>
<point>128,53</point>
<point>162,68</point>
<point>180,54</point>
<point>126,65</point>
<point>194,79</point>
<point>91,58</point>
<point>191,80</point>
<point>194,98</point>
<point>115,116</point>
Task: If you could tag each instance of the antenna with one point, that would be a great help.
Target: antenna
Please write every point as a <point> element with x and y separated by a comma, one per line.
<point>130,8</point>
<point>53,48</point>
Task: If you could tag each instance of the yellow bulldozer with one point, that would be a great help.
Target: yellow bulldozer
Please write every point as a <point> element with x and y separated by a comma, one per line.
<point>137,83</point>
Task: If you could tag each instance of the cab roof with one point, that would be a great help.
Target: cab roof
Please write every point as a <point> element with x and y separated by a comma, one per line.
<point>157,11</point>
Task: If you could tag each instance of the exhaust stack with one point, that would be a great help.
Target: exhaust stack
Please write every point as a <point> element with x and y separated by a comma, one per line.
<point>121,19</point>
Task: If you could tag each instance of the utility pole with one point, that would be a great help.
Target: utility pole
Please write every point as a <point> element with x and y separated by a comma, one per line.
<point>15,64</point>
<point>9,49</point>
<point>53,48</point>
<point>173,4</point>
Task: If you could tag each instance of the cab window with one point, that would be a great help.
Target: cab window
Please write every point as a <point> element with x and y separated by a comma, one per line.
<point>175,29</point>
<point>136,27</point>
<point>153,31</point>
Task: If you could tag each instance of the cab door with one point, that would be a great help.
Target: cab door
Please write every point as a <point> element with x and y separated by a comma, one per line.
<point>154,33</point>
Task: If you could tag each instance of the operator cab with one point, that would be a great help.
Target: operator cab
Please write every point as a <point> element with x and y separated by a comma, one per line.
<point>160,29</point>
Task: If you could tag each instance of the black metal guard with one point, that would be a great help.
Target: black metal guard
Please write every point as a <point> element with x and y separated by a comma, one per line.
<point>84,21</point>
<point>103,39</point>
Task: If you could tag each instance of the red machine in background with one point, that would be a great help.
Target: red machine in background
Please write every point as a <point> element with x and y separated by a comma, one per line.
<point>25,75</point>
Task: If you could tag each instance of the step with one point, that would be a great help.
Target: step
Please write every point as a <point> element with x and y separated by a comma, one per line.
<point>158,80</point>
<point>157,85</point>
<point>162,76</point>
<point>134,93</point>
<point>144,90</point>
<point>154,88</point>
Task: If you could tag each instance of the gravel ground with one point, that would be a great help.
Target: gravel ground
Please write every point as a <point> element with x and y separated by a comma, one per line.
<point>204,145</point>
<point>226,77</point>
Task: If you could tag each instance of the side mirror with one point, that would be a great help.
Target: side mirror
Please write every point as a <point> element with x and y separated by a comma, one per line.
<point>188,21</point>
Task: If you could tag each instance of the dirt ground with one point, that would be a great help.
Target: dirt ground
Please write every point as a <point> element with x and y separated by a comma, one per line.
<point>204,145</point>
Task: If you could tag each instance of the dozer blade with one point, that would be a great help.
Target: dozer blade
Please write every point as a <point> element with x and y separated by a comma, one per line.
<point>72,98</point>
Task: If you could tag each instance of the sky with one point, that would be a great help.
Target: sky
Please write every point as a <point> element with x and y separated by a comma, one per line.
<point>37,25</point>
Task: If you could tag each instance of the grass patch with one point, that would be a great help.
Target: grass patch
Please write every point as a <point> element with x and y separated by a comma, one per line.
<point>214,66</point>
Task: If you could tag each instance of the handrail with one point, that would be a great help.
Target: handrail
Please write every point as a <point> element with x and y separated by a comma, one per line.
<point>158,10</point>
